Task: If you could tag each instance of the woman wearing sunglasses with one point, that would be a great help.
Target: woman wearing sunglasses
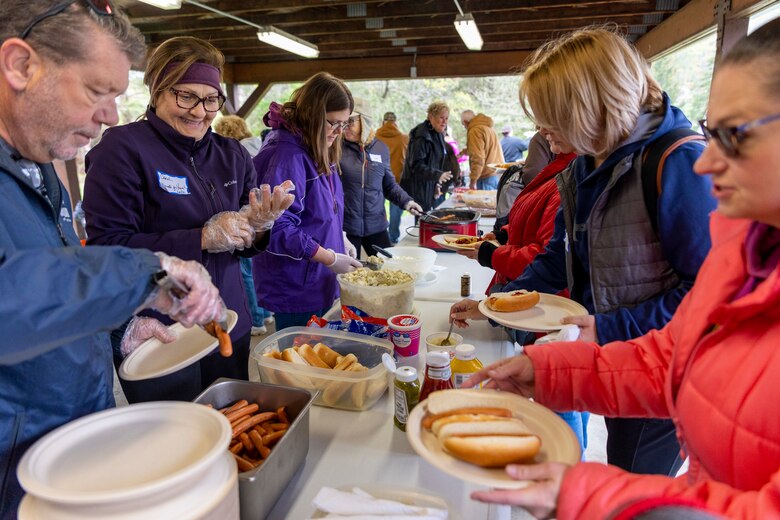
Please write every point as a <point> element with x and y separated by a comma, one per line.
<point>168,183</point>
<point>714,367</point>
<point>296,276</point>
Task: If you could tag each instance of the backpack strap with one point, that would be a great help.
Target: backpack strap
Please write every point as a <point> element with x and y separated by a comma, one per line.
<point>653,159</point>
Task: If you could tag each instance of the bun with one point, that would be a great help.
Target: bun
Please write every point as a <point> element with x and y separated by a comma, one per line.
<point>292,356</point>
<point>493,451</point>
<point>513,302</point>
<point>487,425</point>
<point>311,357</point>
<point>445,401</point>
<point>327,354</point>
<point>430,419</point>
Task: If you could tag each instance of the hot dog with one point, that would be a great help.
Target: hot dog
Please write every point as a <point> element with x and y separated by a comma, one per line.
<point>512,302</point>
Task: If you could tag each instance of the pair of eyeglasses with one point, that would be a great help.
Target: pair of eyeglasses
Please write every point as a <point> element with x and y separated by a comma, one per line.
<point>99,7</point>
<point>730,137</point>
<point>188,100</point>
<point>339,126</point>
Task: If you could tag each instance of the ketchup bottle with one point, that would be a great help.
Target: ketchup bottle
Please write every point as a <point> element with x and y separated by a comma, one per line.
<point>437,373</point>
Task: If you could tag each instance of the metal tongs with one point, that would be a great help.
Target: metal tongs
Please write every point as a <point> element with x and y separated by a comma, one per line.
<point>179,292</point>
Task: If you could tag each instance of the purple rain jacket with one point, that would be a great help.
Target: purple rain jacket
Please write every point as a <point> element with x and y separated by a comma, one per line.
<point>285,278</point>
<point>149,186</point>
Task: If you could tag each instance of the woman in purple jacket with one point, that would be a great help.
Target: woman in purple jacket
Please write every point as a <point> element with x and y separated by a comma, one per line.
<point>167,183</point>
<point>295,276</point>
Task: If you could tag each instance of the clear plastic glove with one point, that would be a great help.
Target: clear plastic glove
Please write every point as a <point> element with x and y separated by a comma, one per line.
<point>227,231</point>
<point>445,176</point>
<point>413,208</point>
<point>201,304</point>
<point>265,207</point>
<point>343,263</point>
<point>139,330</point>
<point>349,247</point>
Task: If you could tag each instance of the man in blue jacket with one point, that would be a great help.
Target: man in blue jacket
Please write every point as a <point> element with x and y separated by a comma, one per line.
<point>61,67</point>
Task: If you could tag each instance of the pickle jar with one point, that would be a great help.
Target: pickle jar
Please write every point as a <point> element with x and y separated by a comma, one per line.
<point>407,394</point>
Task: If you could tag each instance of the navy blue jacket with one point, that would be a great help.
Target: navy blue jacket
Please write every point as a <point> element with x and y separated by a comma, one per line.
<point>149,186</point>
<point>683,225</point>
<point>58,302</point>
<point>513,148</point>
<point>368,181</point>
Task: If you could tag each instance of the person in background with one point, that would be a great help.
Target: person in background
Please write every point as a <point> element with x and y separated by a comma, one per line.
<point>168,183</point>
<point>296,276</point>
<point>368,180</point>
<point>538,157</point>
<point>60,300</point>
<point>512,147</point>
<point>397,142</point>
<point>424,168</point>
<point>629,271</point>
<point>714,367</point>
<point>235,126</point>
<point>452,164</point>
<point>482,148</point>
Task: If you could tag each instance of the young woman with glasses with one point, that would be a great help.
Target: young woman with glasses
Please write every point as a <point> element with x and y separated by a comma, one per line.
<point>714,368</point>
<point>296,275</point>
<point>168,183</point>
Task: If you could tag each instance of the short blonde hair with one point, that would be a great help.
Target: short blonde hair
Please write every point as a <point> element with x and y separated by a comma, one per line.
<point>591,86</point>
<point>437,107</point>
<point>232,126</point>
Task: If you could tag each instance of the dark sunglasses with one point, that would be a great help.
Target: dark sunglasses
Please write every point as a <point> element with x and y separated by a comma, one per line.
<point>100,7</point>
<point>730,137</point>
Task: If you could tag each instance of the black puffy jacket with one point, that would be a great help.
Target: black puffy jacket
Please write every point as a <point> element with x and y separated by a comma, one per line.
<point>424,164</point>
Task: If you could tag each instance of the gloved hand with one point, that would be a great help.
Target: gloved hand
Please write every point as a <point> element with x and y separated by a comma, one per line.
<point>226,231</point>
<point>343,263</point>
<point>139,330</point>
<point>201,305</point>
<point>413,208</point>
<point>445,176</point>
<point>349,247</point>
<point>264,207</point>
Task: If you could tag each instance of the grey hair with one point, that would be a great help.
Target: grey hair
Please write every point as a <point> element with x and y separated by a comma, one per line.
<point>64,37</point>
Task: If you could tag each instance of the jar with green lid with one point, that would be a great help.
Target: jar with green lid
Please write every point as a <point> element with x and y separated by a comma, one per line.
<point>407,394</point>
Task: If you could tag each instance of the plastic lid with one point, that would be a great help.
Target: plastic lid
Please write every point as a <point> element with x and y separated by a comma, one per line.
<point>406,374</point>
<point>465,352</point>
<point>437,359</point>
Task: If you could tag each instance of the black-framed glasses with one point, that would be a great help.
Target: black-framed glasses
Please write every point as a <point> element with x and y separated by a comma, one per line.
<point>188,100</point>
<point>730,137</point>
<point>99,7</point>
<point>340,126</point>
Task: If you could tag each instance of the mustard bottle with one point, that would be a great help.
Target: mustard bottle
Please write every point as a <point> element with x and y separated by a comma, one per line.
<point>464,364</point>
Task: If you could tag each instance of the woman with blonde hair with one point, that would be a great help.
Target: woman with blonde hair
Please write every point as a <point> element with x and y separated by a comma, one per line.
<point>296,276</point>
<point>627,255</point>
<point>168,183</point>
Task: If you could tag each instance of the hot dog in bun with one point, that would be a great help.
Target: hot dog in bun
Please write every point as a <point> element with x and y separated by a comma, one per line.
<point>512,302</point>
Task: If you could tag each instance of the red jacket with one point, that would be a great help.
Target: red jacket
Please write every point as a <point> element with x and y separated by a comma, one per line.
<point>713,369</point>
<point>531,222</point>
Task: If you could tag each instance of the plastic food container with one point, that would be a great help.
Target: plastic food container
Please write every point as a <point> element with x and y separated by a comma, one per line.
<point>380,301</point>
<point>433,342</point>
<point>418,260</point>
<point>338,389</point>
<point>260,488</point>
<point>150,460</point>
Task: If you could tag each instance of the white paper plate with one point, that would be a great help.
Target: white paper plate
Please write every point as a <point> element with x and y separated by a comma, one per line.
<point>409,496</point>
<point>559,444</point>
<point>426,279</point>
<point>442,241</point>
<point>545,317</point>
<point>155,358</point>
<point>502,167</point>
<point>124,453</point>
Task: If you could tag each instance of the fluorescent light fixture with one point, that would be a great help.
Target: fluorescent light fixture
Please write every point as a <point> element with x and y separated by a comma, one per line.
<point>164,4</point>
<point>286,41</point>
<point>467,28</point>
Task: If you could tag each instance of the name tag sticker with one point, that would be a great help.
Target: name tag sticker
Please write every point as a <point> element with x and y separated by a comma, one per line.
<point>374,157</point>
<point>173,184</point>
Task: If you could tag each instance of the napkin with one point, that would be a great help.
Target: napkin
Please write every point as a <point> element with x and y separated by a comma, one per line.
<point>359,505</point>
<point>567,333</point>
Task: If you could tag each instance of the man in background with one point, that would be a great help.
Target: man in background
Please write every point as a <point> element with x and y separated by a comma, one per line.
<point>482,148</point>
<point>513,147</point>
<point>397,142</point>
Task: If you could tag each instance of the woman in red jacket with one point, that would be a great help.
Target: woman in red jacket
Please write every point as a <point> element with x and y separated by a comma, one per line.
<point>714,368</point>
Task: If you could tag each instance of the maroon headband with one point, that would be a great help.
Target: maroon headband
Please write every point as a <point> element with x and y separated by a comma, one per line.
<point>201,73</point>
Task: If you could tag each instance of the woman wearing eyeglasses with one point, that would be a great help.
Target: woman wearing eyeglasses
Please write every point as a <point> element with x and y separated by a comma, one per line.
<point>714,367</point>
<point>168,183</point>
<point>296,275</point>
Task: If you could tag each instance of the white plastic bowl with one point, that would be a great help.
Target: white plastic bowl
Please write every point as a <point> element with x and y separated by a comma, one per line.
<point>419,260</point>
